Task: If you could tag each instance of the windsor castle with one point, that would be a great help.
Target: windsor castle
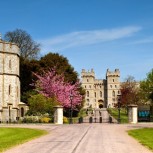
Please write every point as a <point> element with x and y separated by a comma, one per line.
<point>101,93</point>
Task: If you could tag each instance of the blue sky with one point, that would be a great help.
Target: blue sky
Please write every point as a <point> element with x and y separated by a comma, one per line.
<point>98,34</point>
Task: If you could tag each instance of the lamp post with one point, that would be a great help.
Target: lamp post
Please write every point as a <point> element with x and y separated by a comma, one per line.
<point>71,98</point>
<point>119,108</point>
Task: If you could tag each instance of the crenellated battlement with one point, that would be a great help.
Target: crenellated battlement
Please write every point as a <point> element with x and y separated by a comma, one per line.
<point>114,73</point>
<point>88,73</point>
<point>10,48</point>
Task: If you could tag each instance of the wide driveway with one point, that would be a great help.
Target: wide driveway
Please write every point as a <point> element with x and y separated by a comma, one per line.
<point>83,138</point>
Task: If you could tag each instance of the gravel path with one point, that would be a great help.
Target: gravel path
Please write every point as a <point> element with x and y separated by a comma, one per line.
<point>83,138</point>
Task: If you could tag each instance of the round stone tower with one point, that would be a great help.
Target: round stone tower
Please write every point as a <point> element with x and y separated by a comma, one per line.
<point>9,82</point>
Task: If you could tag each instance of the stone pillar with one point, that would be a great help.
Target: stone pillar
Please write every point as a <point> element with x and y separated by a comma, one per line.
<point>133,113</point>
<point>58,114</point>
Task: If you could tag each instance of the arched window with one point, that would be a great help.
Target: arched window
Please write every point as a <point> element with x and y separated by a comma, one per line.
<point>113,93</point>
<point>87,93</point>
<point>118,92</point>
<point>100,93</point>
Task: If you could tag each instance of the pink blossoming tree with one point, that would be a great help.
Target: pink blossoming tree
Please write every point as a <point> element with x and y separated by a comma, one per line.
<point>52,85</point>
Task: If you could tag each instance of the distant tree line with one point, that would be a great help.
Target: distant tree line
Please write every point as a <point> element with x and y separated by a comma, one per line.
<point>139,93</point>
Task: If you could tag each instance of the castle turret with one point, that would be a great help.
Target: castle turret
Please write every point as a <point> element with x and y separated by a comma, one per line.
<point>88,76</point>
<point>113,86</point>
<point>9,81</point>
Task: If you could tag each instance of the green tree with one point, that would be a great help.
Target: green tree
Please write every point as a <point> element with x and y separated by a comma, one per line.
<point>146,88</point>
<point>27,67</point>
<point>129,91</point>
<point>38,104</point>
<point>61,64</point>
<point>29,49</point>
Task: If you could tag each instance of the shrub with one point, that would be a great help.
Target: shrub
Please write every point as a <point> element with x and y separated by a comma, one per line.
<point>45,120</point>
<point>30,119</point>
<point>65,120</point>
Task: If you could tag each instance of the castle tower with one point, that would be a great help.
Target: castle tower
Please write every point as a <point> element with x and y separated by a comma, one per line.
<point>88,79</point>
<point>9,81</point>
<point>95,96</point>
<point>113,86</point>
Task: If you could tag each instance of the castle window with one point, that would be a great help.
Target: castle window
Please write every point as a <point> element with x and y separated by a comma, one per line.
<point>113,93</point>
<point>9,90</point>
<point>17,91</point>
<point>111,86</point>
<point>113,80</point>
<point>95,94</point>
<point>87,93</point>
<point>87,80</point>
<point>115,86</point>
<point>9,111</point>
<point>100,93</point>
<point>85,86</point>
<point>22,112</point>
<point>10,65</point>
<point>87,102</point>
<point>118,92</point>
<point>90,86</point>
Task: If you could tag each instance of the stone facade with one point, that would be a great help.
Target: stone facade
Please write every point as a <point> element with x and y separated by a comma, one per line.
<point>9,82</point>
<point>101,93</point>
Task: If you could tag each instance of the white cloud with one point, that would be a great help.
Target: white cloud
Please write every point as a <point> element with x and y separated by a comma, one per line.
<point>143,41</point>
<point>87,38</point>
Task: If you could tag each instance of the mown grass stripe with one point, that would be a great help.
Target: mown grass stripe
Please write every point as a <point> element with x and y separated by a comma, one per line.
<point>10,137</point>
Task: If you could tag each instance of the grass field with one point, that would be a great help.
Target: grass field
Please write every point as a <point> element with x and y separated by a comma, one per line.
<point>144,136</point>
<point>10,137</point>
<point>123,115</point>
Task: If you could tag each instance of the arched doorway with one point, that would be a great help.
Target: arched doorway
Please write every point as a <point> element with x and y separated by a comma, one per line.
<point>22,111</point>
<point>101,103</point>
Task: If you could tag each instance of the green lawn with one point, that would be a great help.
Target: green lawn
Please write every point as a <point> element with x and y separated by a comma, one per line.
<point>10,137</point>
<point>123,115</point>
<point>144,136</point>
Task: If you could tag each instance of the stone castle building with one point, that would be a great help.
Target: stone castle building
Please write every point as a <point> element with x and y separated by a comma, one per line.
<point>101,93</point>
<point>10,106</point>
